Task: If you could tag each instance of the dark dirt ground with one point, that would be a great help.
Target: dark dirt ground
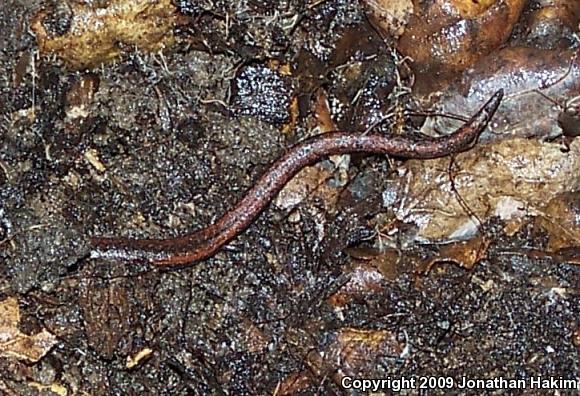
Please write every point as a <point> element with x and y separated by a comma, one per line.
<point>181,135</point>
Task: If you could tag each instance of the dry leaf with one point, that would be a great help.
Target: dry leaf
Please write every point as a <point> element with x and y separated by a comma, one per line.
<point>507,179</point>
<point>15,344</point>
<point>55,388</point>
<point>389,16</point>
<point>294,383</point>
<point>463,253</point>
<point>96,35</point>
<point>561,220</point>
<point>364,279</point>
<point>447,36</point>
<point>358,350</point>
<point>532,79</point>
<point>132,361</point>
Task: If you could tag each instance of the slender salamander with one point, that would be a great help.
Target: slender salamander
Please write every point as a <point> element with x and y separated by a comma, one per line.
<point>191,248</point>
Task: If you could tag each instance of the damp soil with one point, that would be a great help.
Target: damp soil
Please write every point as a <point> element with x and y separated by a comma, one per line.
<point>166,142</point>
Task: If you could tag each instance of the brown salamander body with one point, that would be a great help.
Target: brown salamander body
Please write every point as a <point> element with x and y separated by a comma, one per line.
<point>190,248</point>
